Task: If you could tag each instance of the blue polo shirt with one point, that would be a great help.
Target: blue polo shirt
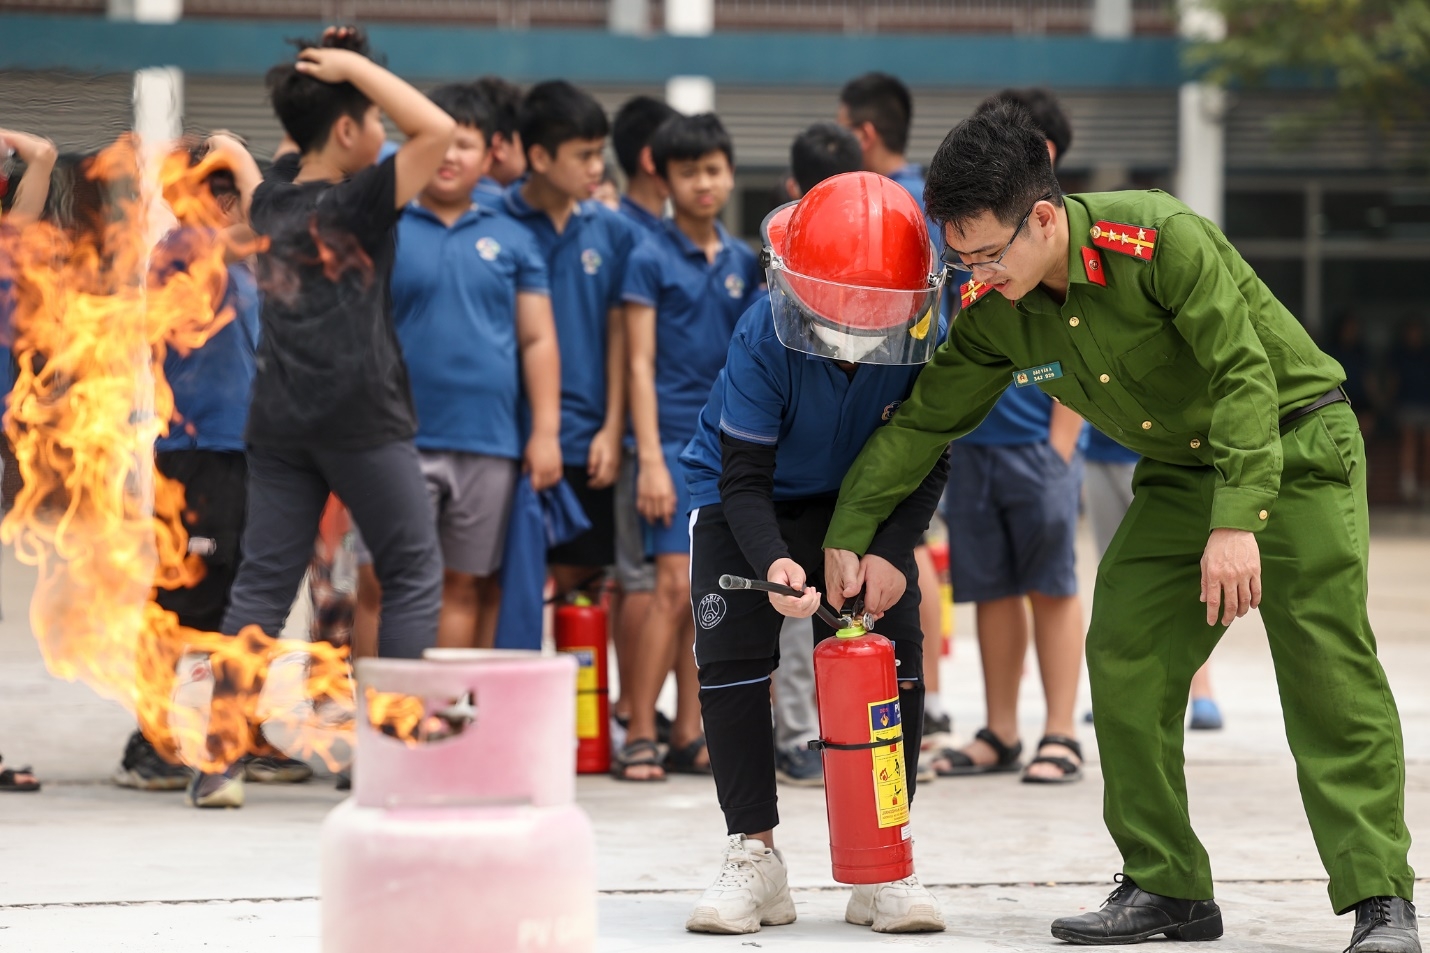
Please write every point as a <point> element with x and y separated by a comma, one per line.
<point>814,414</point>
<point>1103,449</point>
<point>697,304</point>
<point>212,385</point>
<point>587,268</point>
<point>454,307</point>
<point>1022,415</point>
<point>650,224</point>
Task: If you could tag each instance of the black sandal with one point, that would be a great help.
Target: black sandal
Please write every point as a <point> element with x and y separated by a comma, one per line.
<point>685,760</point>
<point>1072,770</point>
<point>10,779</point>
<point>641,753</point>
<point>962,765</point>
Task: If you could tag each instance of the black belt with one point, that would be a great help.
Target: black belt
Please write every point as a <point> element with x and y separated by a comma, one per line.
<point>1334,396</point>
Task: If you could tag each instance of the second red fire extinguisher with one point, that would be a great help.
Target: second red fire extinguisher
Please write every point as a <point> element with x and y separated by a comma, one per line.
<point>580,630</point>
<point>861,735</point>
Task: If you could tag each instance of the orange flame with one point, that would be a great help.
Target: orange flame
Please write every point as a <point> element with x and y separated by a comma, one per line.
<point>103,527</point>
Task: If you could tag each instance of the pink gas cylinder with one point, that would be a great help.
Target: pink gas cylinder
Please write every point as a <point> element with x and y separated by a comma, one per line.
<point>468,837</point>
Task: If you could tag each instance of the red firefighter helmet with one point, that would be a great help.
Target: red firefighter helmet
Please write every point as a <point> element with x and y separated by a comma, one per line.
<point>852,273</point>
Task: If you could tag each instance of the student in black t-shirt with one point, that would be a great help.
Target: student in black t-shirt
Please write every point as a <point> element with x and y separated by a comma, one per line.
<point>331,409</point>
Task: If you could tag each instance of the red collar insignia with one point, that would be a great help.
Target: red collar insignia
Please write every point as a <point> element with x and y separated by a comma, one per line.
<point>972,290</point>
<point>1131,240</point>
<point>1092,264</point>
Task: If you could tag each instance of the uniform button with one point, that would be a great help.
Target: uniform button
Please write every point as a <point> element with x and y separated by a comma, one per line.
<point>1263,514</point>
<point>1146,425</point>
<point>1104,378</point>
<point>1074,322</point>
<point>1196,443</point>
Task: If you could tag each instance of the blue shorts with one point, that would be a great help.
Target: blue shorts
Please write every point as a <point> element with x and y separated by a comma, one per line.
<point>1012,518</point>
<point>675,538</point>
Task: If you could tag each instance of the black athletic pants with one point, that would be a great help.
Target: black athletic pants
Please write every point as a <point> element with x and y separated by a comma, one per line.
<point>215,495</point>
<point>737,636</point>
<point>384,491</point>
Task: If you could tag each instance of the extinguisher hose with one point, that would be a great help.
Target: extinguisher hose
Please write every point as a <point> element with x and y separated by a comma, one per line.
<point>819,745</point>
<point>825,614</point>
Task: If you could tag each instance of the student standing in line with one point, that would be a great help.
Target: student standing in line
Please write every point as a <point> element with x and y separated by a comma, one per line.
<point>472,308</point>
<point>586,247</point>
<point>644,205</point>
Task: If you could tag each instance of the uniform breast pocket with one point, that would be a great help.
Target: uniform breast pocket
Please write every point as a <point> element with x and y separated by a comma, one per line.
<point>1164,367</point>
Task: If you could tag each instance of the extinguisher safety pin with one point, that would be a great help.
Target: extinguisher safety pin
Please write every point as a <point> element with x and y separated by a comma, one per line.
<point>820,745</point>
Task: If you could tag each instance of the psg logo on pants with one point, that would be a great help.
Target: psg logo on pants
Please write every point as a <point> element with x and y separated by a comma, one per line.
<point>711,611</point>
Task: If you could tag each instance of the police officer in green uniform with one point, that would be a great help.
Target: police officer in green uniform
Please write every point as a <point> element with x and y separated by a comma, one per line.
<point>1138,314</point>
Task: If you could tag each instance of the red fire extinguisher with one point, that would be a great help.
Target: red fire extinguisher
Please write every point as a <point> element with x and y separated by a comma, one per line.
<point>861,735</point>
<point>581,631</point>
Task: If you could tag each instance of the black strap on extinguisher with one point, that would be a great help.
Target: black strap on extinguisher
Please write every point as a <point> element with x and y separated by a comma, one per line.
<point>819,745</point>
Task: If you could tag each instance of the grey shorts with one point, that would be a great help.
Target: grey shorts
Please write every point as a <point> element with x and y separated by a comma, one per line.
<point>471,496</point>
<point>634,572</point>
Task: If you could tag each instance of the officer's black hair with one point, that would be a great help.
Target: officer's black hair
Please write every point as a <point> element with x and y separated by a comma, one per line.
<point>636,121</point>
<point>466,106</point>
<point>505,100</point>
<point>823,150</point>
<point>883,100</point>
<point>1047,115</point>
<point>995,160</point>
<point>554,112</point>
<point>308,108</point>
<point>689,137</point>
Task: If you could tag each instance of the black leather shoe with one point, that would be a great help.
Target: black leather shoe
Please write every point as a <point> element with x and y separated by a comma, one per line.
<point>1131,915</point>
<point>1385,925</point>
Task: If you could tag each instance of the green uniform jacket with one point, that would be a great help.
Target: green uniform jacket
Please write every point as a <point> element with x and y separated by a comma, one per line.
<point>1184,356</point>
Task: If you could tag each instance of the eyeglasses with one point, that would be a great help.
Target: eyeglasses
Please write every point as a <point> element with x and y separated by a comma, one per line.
<point>955,261</point>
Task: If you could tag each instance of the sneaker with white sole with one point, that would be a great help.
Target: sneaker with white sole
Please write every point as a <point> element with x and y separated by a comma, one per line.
<point>217,790</point>
<point>752,891</point>
<point>904,906</point>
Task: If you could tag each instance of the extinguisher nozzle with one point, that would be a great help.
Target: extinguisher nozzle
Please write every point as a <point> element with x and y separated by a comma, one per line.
<point>728,581</point>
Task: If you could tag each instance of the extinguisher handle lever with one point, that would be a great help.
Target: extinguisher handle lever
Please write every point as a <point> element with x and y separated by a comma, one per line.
<point>827,615</point>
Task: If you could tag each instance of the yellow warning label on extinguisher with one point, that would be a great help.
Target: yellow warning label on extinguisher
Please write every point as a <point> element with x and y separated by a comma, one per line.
<point>891,793</point>
<point>588,711</point>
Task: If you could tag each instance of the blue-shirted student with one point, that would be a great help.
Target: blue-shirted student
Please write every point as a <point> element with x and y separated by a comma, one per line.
<point>807,379</point>
<point>471,306</point>
<point>643,204</point>
<point>508,163</point>
<point>586,247</point>
<point>1014,485</point>
<point>685,288</point>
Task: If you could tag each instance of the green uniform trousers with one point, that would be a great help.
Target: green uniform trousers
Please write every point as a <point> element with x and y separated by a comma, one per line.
<point>1149,636</point>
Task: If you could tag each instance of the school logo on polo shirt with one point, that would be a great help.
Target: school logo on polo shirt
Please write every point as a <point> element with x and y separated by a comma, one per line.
<point>735,285</point>
<point>489,248</point>
<point>889,410</point>
<point>712,610</point>
<point>590,261</point>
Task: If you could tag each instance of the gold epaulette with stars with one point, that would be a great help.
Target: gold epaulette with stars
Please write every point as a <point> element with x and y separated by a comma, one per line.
<point>973,289</point>
<point>1132,240</point>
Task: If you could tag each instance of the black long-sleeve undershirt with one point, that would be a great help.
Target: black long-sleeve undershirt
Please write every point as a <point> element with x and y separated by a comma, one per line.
<point>747,479</point>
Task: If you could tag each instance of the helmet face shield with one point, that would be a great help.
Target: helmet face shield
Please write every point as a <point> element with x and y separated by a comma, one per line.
<point>852,323</point>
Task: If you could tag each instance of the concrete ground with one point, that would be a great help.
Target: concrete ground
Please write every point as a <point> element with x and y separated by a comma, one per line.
<point>86,866</point>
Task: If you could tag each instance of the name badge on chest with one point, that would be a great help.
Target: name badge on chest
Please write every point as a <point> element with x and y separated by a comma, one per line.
<point>1036,375</point>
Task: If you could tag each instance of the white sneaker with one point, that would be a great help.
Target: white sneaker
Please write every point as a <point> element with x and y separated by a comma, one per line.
<point>751,891</point>
<point>904,906</point>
